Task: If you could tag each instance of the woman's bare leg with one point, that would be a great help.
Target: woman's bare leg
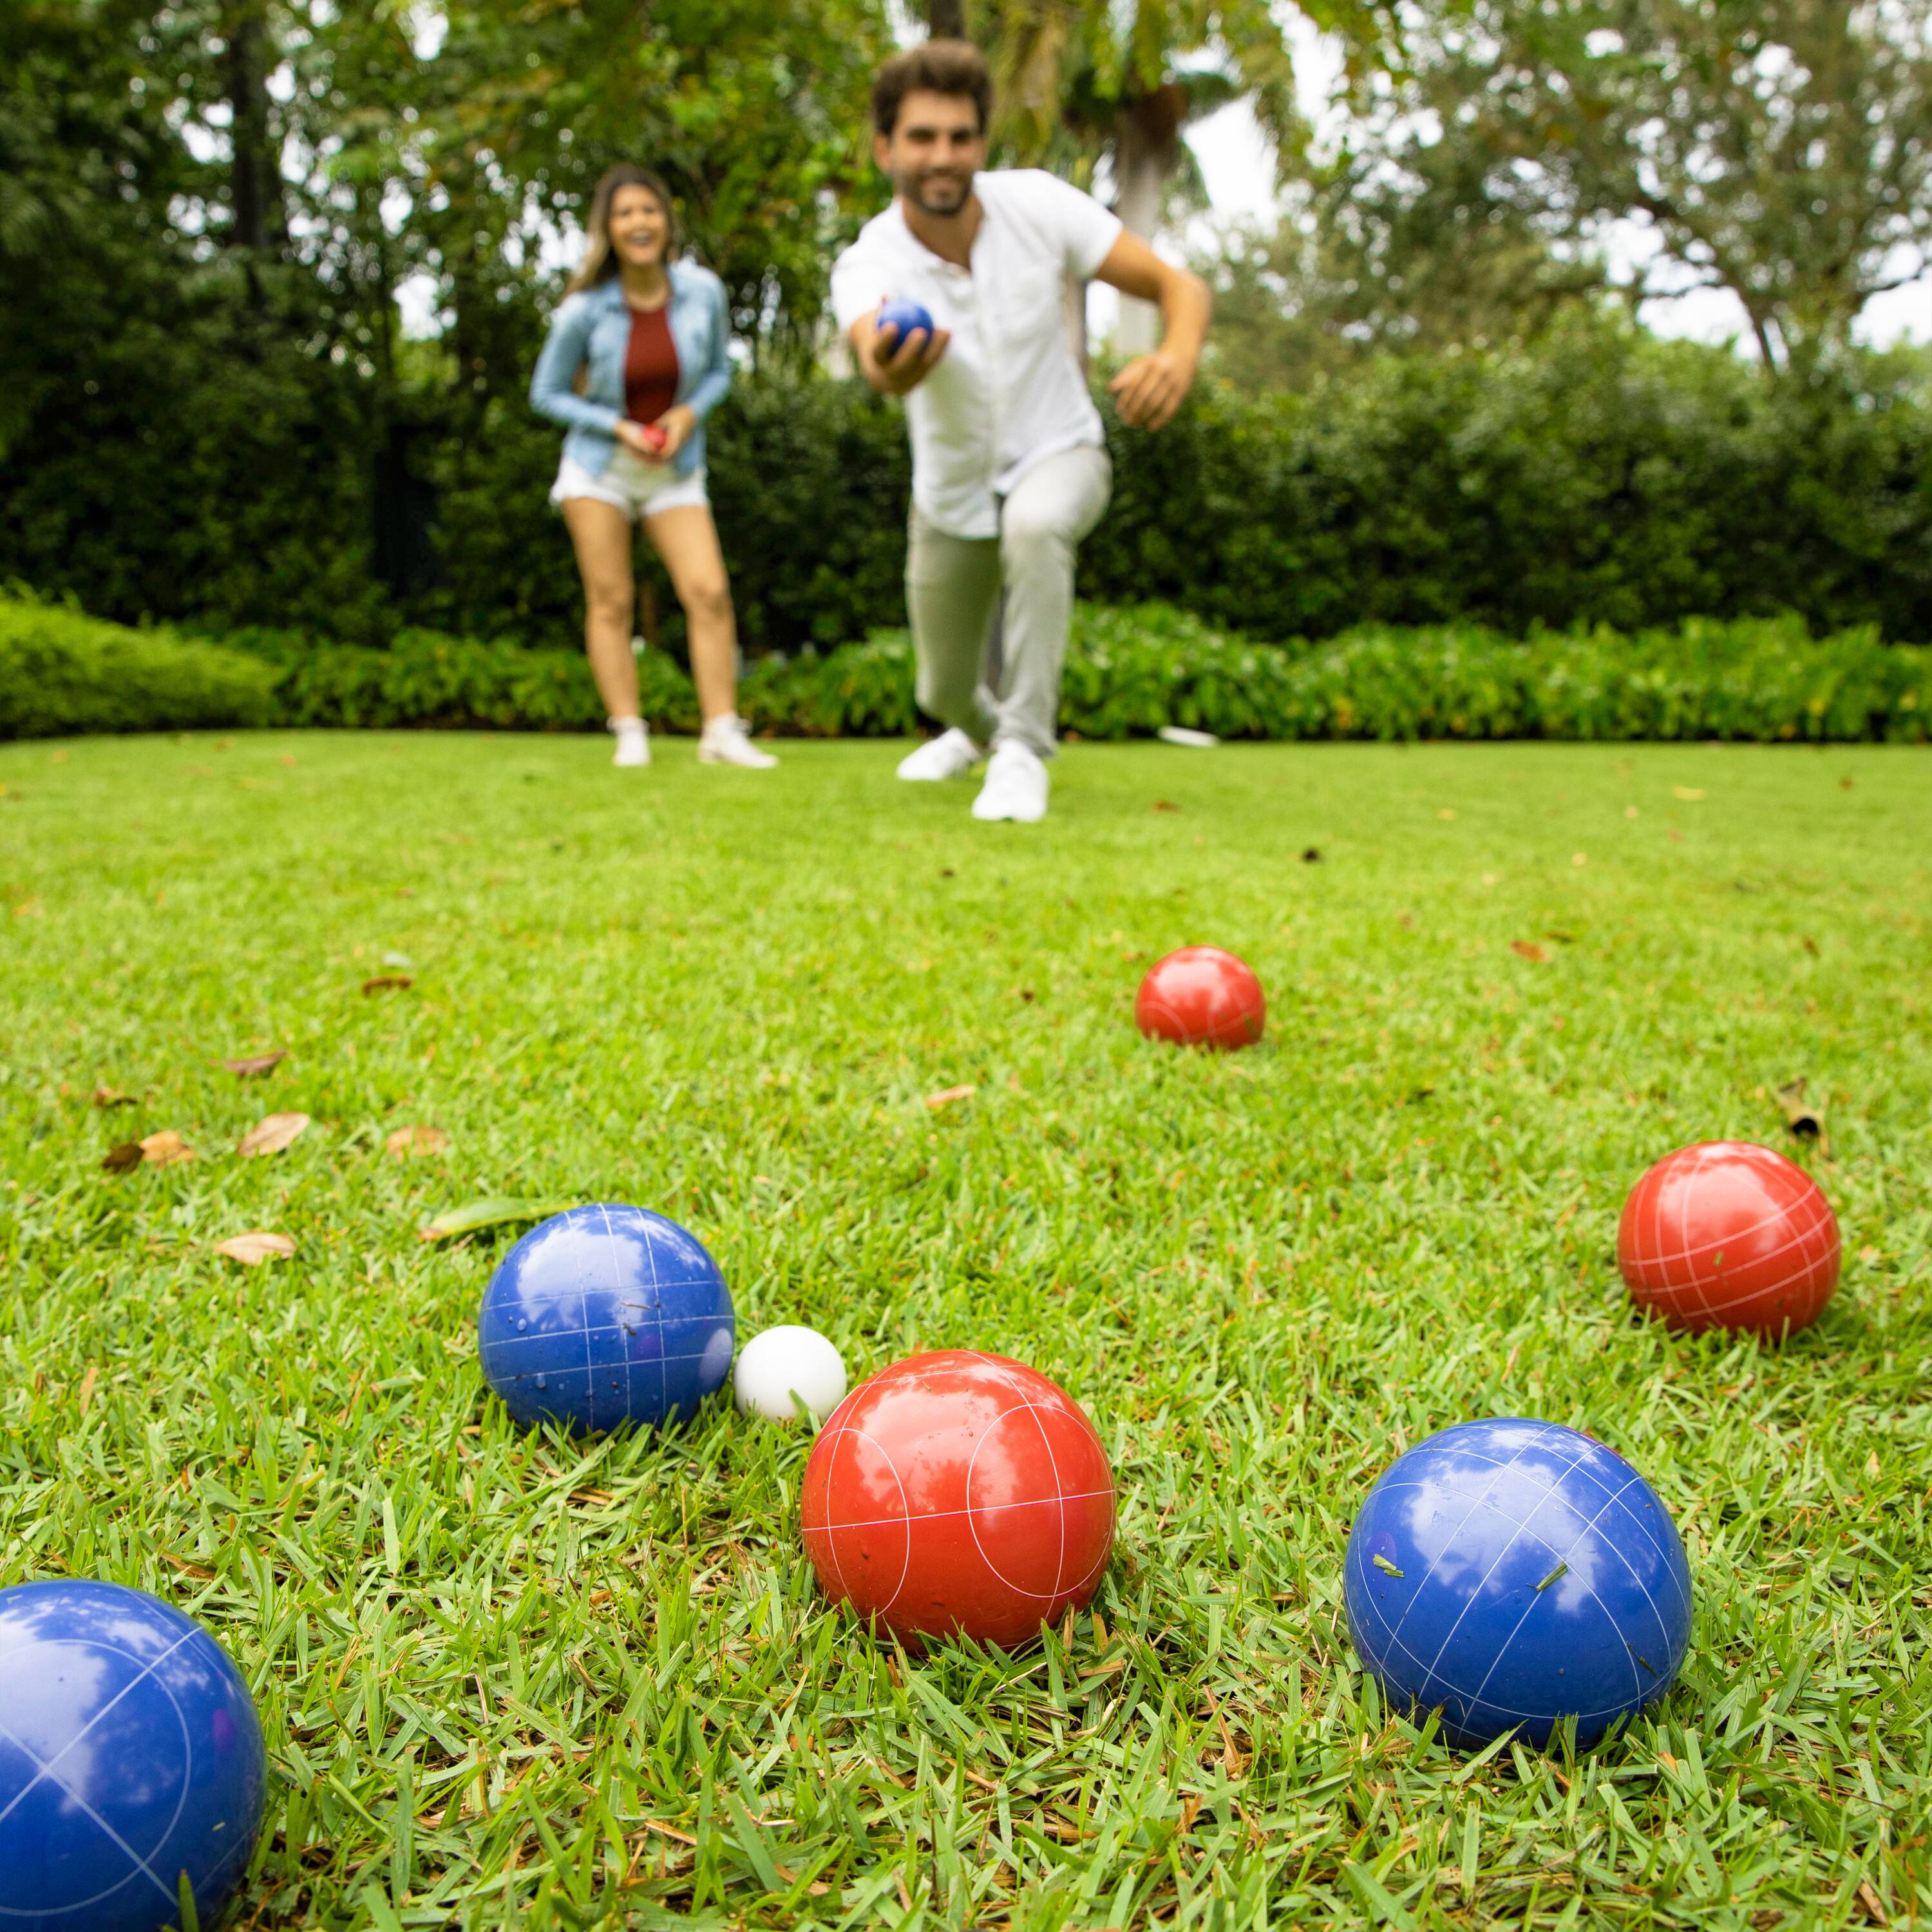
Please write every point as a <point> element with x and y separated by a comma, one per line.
<point>602,532</point>
<point>687,539</point>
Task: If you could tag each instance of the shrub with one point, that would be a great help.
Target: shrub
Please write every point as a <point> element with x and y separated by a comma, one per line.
<point>1600,477</point>
<point>62,673</point>
<point>1129,672</point>
<point>425,679</point>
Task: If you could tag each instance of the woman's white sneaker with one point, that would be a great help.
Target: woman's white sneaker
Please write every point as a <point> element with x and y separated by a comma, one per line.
<point>1015,787</point>
<point>950,755</point>
<point>633,741</point>
<point>727,742</point>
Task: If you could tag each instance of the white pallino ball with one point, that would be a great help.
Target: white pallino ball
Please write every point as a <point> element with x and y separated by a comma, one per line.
<point>771,1365</point>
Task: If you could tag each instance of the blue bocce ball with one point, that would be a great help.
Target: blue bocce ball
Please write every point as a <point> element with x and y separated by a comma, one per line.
<point>1514,1573</point>
<point>605,1316</point>
<point>130,1762</point>
<point>900,317</point>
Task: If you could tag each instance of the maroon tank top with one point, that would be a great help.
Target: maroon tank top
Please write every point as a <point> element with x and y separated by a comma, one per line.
<point>650,365</point>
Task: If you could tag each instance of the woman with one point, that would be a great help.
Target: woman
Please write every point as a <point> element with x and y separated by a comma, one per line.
<point>645,337</point>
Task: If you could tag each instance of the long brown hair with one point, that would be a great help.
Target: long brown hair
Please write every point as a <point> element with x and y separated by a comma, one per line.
<point>600,262</point>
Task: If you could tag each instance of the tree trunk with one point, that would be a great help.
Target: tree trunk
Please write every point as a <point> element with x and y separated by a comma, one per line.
<point>255,174</point>
<point>1146,140</point>
<point>946,20</point>
<point>1139,173</point>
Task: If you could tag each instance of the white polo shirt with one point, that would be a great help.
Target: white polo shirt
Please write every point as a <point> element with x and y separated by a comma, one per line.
<point>1009,389</point>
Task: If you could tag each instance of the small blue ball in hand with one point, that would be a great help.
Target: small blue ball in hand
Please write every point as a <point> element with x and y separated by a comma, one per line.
<point>901,317</point>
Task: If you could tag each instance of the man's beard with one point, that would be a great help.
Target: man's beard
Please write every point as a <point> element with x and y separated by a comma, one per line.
<point>932,197</point>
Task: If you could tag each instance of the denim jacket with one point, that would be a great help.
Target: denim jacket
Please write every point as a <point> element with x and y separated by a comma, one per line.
<point>592,329</point>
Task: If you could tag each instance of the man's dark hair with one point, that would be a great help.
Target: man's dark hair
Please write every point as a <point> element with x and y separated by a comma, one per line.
<point>933,66</point>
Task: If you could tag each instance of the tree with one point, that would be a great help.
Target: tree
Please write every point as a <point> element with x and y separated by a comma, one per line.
<point>1089,86</point>
<point>1781,149</point>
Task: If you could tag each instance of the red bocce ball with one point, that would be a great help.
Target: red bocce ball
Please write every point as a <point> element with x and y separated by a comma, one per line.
<point>1726,1234</point>
<point>1202,997</point>
<point>959,1491</point>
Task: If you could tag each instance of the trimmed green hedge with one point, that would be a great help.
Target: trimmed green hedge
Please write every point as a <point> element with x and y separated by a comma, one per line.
<point>425,680</point>
<point>1766,680</point>
<point>1129,672</point>
<point>62,674</point>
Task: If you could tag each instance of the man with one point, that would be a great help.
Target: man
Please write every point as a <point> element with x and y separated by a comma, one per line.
<point>1009,464</point>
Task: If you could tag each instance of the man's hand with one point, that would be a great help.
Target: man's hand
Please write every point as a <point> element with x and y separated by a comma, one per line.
<point>896,365</point>
<point>1148,391</point>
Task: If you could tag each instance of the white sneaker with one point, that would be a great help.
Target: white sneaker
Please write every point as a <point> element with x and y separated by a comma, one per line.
<point>950,755</point>
<point>727,742</point>
<point>1015,787</point>
<point>633,741</point>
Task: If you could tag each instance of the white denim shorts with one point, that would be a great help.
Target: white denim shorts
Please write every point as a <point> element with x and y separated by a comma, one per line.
<point>628,483</point>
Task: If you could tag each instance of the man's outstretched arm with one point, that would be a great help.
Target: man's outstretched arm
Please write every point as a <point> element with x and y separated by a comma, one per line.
<point>1150,389</point>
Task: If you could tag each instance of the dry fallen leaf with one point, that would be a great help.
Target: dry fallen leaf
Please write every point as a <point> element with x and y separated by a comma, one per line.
<point>946,1095</point>
<point>112,1096</point>
<point>123,1159</point>
<point>387,982</point>
<point>271,1134</point>
<point>1874,1906</point>
<point>256,1062</point>
<point>253,1249</point>
<point>1165,805</point>
<point>417,1140</point>
<point>1689,793</point>
<point>1676,837</point>
<point>165,1148</point>
<point>1447,813</point>
<point>1806,1123</point>
<point>1528,948</point>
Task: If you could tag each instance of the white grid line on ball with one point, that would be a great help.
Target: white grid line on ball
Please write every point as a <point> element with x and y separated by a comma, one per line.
<point>1563,1557</point>
<point>830,1530</point>
<point>1696,1162</point>
<point>971,1510</point>
<point>1577,1468</point>
<point>905,1517</point>
<point>1690,1253</point>
<point>1430,1671</point>
<point>1026,1402</point>
<point>46,1768</point>
<point>1630,1516</point>
<point>1517,1530</point>
<point>1501,1468</point>
<point>1699,1284</point>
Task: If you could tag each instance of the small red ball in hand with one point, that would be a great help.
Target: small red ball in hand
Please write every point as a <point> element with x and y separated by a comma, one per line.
<point>1202,997</point>
<point>657,438</point>
<point>1727,1234</point>
<point>958,1492</point>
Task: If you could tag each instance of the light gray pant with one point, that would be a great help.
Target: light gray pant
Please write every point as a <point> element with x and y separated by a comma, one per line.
<point>954,591</point>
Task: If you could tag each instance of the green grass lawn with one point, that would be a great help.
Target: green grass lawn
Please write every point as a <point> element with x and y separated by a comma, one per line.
<point>510,1681</point>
